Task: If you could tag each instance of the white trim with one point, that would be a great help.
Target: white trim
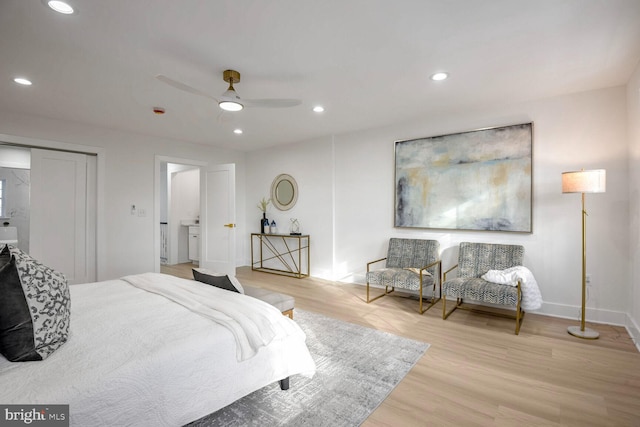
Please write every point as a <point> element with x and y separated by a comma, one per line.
<point>594,315</point>
<point>634,331</point>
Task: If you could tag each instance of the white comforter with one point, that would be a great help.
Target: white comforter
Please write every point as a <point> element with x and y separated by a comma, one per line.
<point>531,296</point>
<point>252,323</point>
<point>137,358</point>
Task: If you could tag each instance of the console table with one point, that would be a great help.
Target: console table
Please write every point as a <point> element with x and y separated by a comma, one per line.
<point>284,254</point>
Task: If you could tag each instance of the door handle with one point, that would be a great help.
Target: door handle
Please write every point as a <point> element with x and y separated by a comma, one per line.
<point>230,225</point>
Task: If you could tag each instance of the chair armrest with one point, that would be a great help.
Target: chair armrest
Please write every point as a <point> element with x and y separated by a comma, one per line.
<point>438,263</point>
<point>373,262</point>
<point>444,279</point>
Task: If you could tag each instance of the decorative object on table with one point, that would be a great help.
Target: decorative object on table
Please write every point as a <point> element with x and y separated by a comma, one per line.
<point>273,229</point>
<point>262,205</point>
<point>284,192</point>
<point>295,227</point>
<point>478,180</point>
<point>590,181</point>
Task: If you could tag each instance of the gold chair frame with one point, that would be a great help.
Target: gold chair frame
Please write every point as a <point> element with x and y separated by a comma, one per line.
<point>433,301</point>
<point>519,316</point>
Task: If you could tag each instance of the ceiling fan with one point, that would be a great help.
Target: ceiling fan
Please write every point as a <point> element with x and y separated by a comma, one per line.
<point>230,100</point>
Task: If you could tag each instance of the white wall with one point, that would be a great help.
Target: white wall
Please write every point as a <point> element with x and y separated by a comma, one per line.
<point>633,114</point>
<point>347,193</point>
<point>128,243</point>
<point>311,165</point>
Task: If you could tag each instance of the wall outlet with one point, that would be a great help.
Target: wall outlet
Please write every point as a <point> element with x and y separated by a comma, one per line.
<point>587,278</point>
<point>142,212</point>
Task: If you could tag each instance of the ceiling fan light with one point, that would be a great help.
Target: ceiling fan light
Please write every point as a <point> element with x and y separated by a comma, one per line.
<point>230,105</point>
<point>230,101</point>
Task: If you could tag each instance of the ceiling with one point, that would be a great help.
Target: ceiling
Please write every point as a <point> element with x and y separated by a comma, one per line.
<point>367,62</point>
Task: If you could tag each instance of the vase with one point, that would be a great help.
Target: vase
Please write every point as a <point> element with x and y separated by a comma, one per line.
<point>264,222</point>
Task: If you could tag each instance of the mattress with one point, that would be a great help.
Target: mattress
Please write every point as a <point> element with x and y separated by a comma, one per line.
<point>138,358</point>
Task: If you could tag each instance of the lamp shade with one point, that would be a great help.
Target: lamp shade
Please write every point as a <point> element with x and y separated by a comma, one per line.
<point>230,101</point>
<point>591,181</point>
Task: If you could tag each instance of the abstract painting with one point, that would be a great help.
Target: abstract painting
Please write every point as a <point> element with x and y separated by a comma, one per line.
<point>477,180</point>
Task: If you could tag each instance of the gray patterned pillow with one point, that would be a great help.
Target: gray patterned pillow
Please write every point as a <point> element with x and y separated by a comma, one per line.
<point>34,308</point>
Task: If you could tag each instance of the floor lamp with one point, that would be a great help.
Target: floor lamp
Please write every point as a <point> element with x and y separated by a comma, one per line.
<point>591,181</point>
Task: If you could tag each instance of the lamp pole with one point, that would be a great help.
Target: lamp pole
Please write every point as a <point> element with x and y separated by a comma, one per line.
<point>583,332</point>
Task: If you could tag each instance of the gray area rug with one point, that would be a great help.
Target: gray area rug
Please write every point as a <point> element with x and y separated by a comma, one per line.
<point>357,368</point>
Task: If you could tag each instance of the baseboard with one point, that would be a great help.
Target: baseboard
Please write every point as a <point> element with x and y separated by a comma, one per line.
<point>634,331</point>
<point>594,315</point>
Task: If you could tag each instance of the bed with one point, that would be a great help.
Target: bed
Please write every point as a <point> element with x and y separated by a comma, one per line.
<point>138,356</point>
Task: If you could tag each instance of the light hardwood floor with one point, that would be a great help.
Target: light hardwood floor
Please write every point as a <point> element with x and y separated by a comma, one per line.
<point>477,372</point>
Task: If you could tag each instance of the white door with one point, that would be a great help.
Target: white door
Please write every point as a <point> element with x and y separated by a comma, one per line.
<point>218,218</point>
<point>62,217</point>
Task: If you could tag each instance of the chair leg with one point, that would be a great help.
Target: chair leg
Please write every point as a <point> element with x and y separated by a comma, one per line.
<point>433,300</point>
<point>444,307</point>
<point>519,311</point>
<point>386,292</point>
<point>519,319</point>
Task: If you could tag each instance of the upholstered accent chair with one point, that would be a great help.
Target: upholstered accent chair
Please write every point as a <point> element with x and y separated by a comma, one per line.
<point>474,260</point>
<point>412,264</point>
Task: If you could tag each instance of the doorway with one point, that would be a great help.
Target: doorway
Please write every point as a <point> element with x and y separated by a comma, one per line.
<point>179,213</point>
<point>167,229</point>
<point>15,190</point>
<point>217,238</point>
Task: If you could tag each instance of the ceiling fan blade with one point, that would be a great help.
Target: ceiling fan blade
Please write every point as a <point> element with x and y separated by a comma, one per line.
<point>271,103</point>
<point>182,86</point>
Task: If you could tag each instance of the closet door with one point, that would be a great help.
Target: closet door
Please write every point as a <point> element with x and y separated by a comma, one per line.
<point>63,213</point>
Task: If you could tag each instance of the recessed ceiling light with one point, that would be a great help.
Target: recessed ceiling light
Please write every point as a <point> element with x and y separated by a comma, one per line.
<point>439,76</point>
<point>60,7</point>
<point>237,131</point>
<point>22,81</point>
<point>318,109</point>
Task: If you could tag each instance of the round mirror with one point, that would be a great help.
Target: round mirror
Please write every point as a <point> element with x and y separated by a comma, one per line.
<point>284,192</point>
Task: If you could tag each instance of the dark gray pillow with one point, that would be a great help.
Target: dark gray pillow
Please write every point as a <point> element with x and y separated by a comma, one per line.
<point>221,282</point>
<point>34,308</point>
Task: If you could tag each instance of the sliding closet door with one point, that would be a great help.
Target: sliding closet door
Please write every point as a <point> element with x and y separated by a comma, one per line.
<point>63,213</point>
